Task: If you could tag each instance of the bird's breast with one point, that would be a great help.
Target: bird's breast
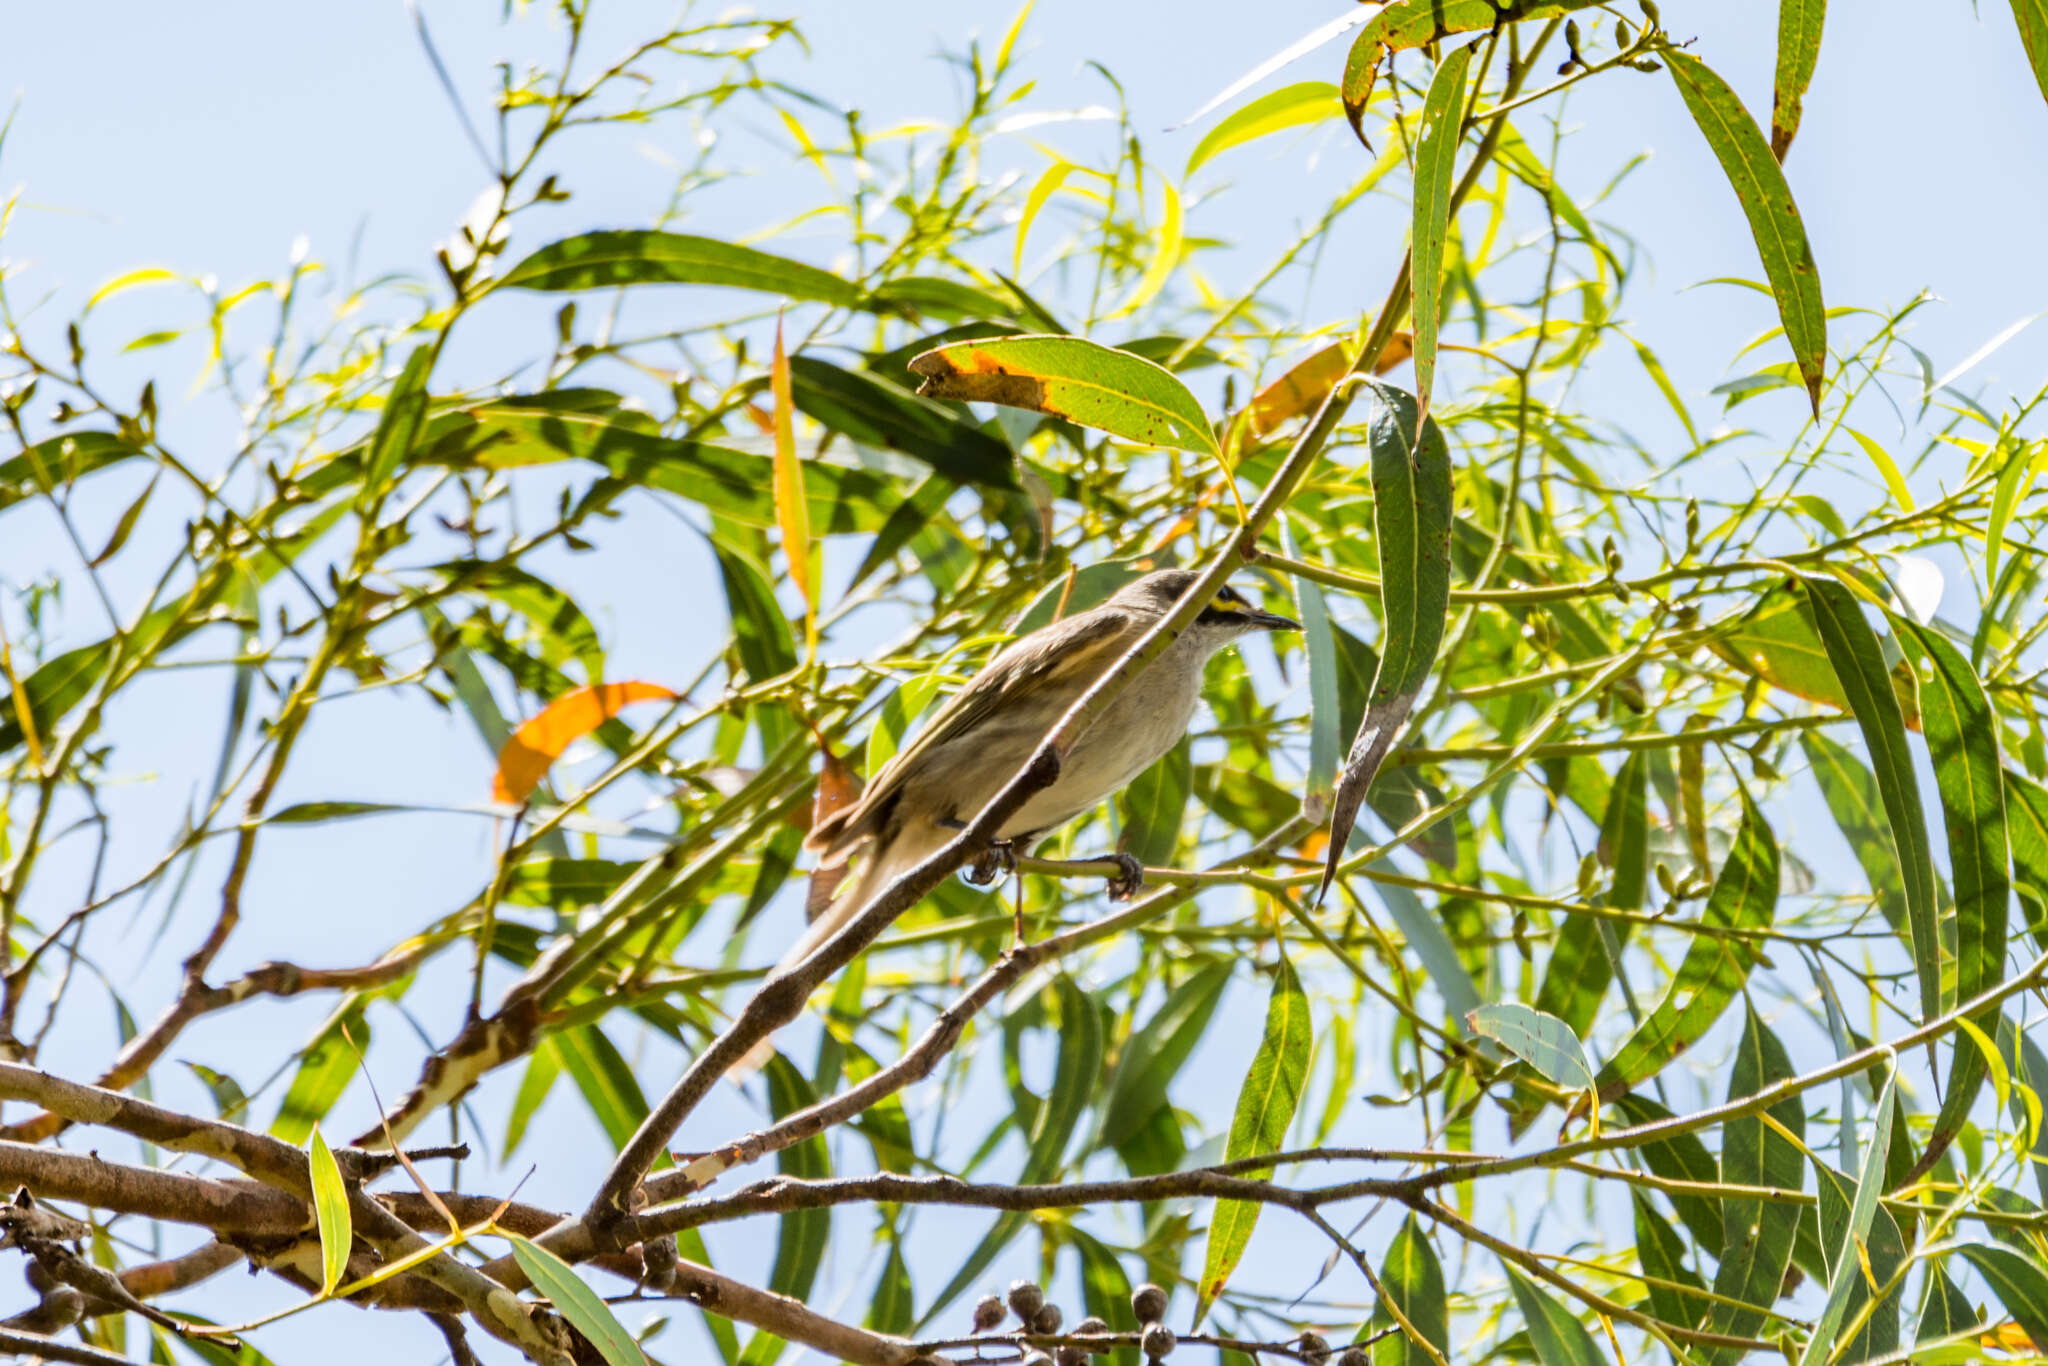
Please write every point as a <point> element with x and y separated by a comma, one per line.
<point>1146,720</point>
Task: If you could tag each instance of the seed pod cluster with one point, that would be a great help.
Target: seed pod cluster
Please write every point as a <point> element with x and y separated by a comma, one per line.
<point>1026,1299</point>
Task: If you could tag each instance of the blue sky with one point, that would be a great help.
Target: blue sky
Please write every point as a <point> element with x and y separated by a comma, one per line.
<point>209,140</point>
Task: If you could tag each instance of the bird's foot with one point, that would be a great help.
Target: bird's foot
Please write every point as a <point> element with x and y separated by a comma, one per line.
<point>996,862</point>
<point>1128,878</point>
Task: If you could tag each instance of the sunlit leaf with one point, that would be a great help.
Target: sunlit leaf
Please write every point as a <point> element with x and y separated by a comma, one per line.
<point>1436,156</point>
<point>538,743</point>
<point>1082,381</point>
<point>577,1303</point>
<point>330,1212</point>
<point>1799,30</point>
<point>1545,1042</point>
<point>1291,106</point>
<point>1767,201</point>
<point>601,260</point>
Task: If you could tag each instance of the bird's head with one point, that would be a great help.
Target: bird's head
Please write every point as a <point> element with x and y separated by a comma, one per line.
<point>1227,615</point>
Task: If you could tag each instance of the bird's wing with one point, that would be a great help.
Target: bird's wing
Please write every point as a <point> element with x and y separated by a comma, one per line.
<point>1079,646</point>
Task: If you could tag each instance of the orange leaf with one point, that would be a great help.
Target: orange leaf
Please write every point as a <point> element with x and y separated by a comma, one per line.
<point>1304,387</point>
<point>538,743</point>
<point>2008,1337</point>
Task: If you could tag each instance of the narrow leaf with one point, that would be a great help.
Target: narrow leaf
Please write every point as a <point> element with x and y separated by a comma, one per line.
<point>792,513</point>
<point>1082,381</point>
<point>1436,155</point>
<point>1881,459</point>
<point>1411,514</point>
<point>330,1211</point>
<point>1559,1339</point>
<point>1767,201</point>
<point>1576,978</point>
<point>2019,1283</point>
<point>1962,745</point>
<point>600,260</point>
<point>577,1303</point>
<point>2031,17</point>
<point>398,427</point>
<point>1414,1281</point>
<point>1757,1233</point>
<point>1320,643</point>
<point>1799,26</point>
<point>1858,662</point>
<point>876,412</point>
<point>1265,1107</point>
<point>539,742</point>
<point>1848,1268</point>
<point>1288,107</point>
<point>1744,897</point>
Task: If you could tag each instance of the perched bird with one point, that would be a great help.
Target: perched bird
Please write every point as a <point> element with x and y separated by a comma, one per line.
<point>971,748</point>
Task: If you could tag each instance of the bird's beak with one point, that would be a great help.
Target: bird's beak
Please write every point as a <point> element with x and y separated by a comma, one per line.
<point>1270,621</point>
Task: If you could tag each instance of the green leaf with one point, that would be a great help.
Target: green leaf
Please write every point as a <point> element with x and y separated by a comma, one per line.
<point>1288,107</point>
<point>604,1077</point>
<point>2018,1282</point>
<point>892,1308</point>
<point>577,1303</point>
<point>59,462</point>
<point>1559,1339</point>
<point>1757,1234</point>
<point>766,645</point>
<point>1843,1243</point>
<point>1152,807</point>
<point>1543,1041</point>
<point>802,1234</point>
<point>1105,1289</point>
<point>1680,1157</point>
<point>601,260</point>
<point>1660,1252</point>
<point>1414,1281</point>
<point>1744,897</point>
<point>1850,790</point>
<point>1319,642</point>
<point>1576,978</point>
<point>541,1070</point>
<point>2004,494</point>
<point>325,1070</point>
<point>1154,1052</point>
<point>1422,927</point>
<point>2026,807</point>
<point>1083,381</point>
<point>561,631</point>
<point>1962,746</point>
<point>398,427</point>
<point>1945,1313</point>
<point>2031,18</point>
<point>1265,1107</point>
<point>330,1211</point>
<point>1799,26</point>
<point>1436,155</point>
<point>1859,663</point>
<point>916,296</point>
<point>1411,514</point>
<point>1767,201</point>
<point>874,411</point>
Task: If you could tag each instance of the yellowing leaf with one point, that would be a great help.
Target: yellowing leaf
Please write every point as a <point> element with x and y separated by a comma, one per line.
<point>792,513</point>
<point>1886,467</point>
<point>524,760</point>
<point>1288,107</point>
<point>1303,388</point>
<point>148,275</point>
<point>1083,381</point>
<point>1047,186</point>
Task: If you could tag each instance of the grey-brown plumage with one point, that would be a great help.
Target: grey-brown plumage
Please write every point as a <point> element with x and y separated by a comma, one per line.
<point>986,732</point>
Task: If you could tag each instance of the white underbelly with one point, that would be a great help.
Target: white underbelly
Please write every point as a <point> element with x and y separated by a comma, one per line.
<point>1146,720</point>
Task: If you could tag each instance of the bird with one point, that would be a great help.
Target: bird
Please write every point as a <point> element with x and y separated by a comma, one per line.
<point>979,739</point>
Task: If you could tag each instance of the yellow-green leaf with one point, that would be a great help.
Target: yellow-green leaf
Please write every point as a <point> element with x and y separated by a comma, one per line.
<point>792,512</point>
<point>1887,468</point>
<point>1290,106</point>
<point>1083,381</point>
<point>1543,1041</point>
<point>2031,17</point>
<point>330,1210</point>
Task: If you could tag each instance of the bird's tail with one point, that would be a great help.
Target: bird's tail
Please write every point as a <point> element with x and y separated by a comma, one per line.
<point>880,868</point>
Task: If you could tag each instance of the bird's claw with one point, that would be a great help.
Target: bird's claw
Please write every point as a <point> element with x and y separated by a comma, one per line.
<point>996,862</point>
<point>1128,879</point>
